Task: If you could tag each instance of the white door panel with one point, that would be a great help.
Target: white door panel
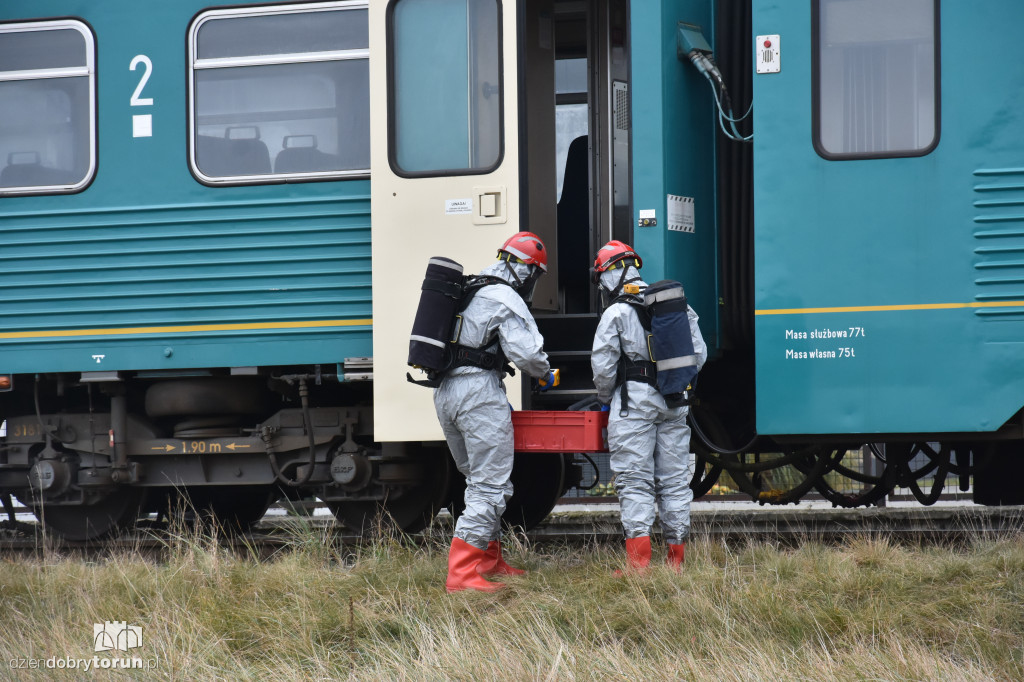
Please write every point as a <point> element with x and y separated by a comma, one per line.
<point>463,216</point>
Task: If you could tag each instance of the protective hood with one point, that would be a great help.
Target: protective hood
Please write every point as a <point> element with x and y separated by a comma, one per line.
<point>521,276</point>
<point>612,280</point>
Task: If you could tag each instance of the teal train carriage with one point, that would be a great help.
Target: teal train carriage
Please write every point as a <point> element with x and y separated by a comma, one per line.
<point>216,219</point>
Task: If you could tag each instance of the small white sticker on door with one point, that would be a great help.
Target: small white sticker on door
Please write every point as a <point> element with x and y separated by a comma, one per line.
<point>142,125</point>
<point>648,217</point>
<point>458,206</point>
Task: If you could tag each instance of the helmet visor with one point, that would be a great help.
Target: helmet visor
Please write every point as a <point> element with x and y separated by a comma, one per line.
<point>529,284</point>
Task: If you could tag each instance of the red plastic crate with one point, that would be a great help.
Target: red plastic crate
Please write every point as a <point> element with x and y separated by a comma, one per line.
<point>566,431</point>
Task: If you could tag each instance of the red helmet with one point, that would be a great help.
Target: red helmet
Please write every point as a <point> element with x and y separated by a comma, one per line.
<point>613,252</point>
<point>527,248</point>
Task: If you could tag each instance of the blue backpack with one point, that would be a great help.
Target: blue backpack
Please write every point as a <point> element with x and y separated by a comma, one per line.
<point>670,341</point>
<point>662,309</point>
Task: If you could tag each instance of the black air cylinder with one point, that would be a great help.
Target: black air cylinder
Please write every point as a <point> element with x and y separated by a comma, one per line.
<point>439,302</point>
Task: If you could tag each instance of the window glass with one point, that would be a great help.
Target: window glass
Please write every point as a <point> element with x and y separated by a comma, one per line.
<point>572,121</point>
<point>446,70</point>
<point>284,34</point>
<point>572,114</point>
<point>47,117</point>
<point>46,49</point>
<point>571,76</point>
<point>281,93</point>
<point>877,79</point>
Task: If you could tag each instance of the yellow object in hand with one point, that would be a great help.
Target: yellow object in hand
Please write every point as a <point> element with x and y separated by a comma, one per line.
<point>543,383</point>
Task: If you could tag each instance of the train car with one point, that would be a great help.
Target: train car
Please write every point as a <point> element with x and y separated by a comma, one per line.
<point>216,220</point>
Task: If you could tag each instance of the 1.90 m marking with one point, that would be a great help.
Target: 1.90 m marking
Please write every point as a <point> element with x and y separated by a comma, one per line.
<point>199,447</point>
<point>190,447</point>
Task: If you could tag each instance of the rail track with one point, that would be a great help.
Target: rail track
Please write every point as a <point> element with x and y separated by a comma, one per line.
<point>744,523</point>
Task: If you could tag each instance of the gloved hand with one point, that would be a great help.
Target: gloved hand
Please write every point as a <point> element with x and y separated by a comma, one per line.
<point>605,408</point>
<point>552,379</point>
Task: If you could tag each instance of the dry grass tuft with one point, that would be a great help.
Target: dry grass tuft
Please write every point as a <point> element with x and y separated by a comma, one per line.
<point>869,609</point>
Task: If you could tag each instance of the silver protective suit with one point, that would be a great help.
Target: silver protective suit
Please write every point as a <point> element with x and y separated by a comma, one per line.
<point>650,446</point>
<point>472,406</point>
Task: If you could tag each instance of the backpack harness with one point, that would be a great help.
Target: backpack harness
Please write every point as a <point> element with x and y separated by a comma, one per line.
<point>490,356</point>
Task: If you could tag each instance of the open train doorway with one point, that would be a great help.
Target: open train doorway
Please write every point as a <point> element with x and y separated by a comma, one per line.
<point>576,137</point>
<point>576,146</point>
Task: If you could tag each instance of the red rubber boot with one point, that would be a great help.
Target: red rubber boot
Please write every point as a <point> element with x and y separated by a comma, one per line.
<point>638,554</point>
<point>463,561</point>
<point>494,564</point>
<point>675,556</point>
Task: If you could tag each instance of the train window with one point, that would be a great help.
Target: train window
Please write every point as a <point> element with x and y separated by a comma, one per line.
<point>280,93</point>
<point>444,68</point>
<point>47,107</point>
<point>876,80</point>
<point>572,113</point>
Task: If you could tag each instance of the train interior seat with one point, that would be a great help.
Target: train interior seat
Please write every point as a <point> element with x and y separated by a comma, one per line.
<point>24,169</point>
<point>300,155</point>
<point>239,152</point>
<point>574,229</point>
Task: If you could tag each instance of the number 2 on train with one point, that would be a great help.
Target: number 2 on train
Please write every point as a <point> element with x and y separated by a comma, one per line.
<point>136,100</point>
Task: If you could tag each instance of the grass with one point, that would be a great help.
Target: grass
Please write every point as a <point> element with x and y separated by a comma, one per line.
<point>869,609</point>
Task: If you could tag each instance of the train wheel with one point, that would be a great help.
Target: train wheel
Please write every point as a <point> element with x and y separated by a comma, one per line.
<point>410,510</point>
<point>939,463</point>
<point>539,481</point>
<point>848,488</point>
<point>232,508</point>
<point>998,474</point>
<point>705,474</point>
<point>238,508</point>
<point>105,517</point>
<point>781,476</point>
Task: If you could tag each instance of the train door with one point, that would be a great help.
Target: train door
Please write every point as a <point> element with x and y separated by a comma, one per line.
<point>490,117</point>
<point>445,170</point>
